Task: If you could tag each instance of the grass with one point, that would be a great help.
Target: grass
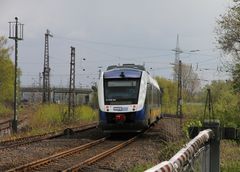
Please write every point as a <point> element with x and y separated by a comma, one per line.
<point>47,116</point>
<point>51,117</point>
<point>230,159</point>
<point>86,113</point>
<point>171,148</point>
<point>141,167</point>
<point>4,111</point>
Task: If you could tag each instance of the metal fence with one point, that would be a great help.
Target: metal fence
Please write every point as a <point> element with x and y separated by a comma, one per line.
<point>195,156</point>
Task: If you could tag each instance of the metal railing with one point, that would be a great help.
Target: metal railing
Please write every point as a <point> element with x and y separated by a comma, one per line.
<point>202,153</point>
<point>194,156</point>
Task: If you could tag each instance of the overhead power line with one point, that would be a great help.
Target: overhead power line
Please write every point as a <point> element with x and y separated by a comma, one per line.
<point>111,44</point>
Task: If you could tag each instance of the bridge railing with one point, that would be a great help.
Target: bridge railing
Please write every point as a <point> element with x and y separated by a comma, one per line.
<point>193,152</point>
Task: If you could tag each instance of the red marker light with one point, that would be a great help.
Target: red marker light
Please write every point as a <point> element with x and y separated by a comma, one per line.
<point>120,117</point>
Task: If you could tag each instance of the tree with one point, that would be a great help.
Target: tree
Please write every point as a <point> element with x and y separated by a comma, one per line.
<point>190,80</point>
<point>225,103</point>
<point>228,37</point>
<point>6,72</point>
<point>169,98</point>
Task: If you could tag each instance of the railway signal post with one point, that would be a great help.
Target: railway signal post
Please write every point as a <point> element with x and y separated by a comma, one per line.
<point>15,33</point>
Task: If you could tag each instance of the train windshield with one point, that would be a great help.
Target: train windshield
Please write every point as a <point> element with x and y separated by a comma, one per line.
<point>119,92</point>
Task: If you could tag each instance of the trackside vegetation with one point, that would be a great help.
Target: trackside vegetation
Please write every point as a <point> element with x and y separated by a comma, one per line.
<point>6,78</point>
<point>226,108</point>
<point>50,117</point>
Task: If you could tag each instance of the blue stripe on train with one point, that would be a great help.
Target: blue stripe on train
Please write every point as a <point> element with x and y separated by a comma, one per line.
<point>102,115</point>
<point>128,73</point>
<point>141,115</point>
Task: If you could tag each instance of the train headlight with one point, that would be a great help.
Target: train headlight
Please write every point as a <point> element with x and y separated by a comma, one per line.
<point>107,108</point>
<point>134,107</point>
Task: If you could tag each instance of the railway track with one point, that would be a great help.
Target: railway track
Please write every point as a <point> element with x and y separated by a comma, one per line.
<point>5,126</point>
<point>98,157</point>
<point>82,152</point>
<point>47,160</point>
<point>77,157</point>
<point>31,139</point>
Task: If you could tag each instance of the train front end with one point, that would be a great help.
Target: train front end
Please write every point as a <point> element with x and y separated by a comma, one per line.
<point>121,94</point>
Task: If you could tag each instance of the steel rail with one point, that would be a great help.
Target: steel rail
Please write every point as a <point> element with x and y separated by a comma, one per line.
<point>8,122</point>
<point>54,133</point>
<point>56,156</point>
<point>5,122</point>
<point>104,154</point>
<point>51,135</point>
<point>5,128</point>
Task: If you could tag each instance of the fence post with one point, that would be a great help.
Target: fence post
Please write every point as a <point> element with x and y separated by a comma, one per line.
<point>214,144</point>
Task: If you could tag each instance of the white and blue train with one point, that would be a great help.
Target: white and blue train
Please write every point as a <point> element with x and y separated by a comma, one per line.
<point>129,99</point>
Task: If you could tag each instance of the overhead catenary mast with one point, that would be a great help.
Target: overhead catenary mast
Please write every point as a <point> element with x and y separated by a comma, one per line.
<point>177,51</point>
<point>71,99</point>
<point>46,70</point>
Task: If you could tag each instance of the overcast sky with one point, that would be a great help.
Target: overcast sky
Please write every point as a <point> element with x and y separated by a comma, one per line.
<point>107,32</point>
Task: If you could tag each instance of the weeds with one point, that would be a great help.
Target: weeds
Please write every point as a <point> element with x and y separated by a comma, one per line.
<point>141,167</point>
<point>230,159</point>
<point>4,111</point>
<point>86,113</point>
<point>51,117</point>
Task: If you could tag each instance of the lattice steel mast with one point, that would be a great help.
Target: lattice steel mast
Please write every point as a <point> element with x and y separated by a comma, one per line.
<point>46,70</point>
<point>177,51</point>
<point>71,99</point>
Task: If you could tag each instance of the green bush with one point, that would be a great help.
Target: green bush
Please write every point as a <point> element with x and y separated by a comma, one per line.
<point>225,103</point>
